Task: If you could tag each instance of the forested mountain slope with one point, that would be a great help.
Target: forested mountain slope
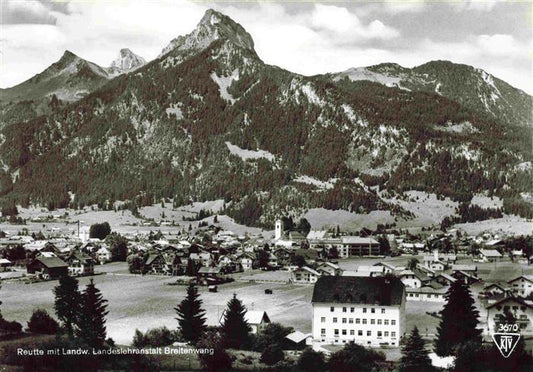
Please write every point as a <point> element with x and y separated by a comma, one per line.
<point>208,119</point>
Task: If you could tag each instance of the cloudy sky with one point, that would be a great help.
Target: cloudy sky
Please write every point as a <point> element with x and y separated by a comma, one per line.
<point>304,37</point>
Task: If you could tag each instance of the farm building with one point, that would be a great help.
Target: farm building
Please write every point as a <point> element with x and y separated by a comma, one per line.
<point>51,267</point>
<point>257,320</point>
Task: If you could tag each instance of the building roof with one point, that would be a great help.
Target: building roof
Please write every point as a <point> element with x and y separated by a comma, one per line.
<point>256,317</point>
<point>503,287</point>
<point>359,290</point>
<point>209,270</point>
<point>448,277</point>
<point>298,336</point>
<point>358,240</point>
<point>151,258</point>
<point>428,290</point>
<point>308,269</point>
<point>464,267</point>
<point>317,234</point>
<point>526,277</point>
<point>527,303</point>
<point>490,253</point>
<point>493,242</point>
<point>52,262</point>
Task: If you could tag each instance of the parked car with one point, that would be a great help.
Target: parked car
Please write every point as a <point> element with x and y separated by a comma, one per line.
<point>212,288</point>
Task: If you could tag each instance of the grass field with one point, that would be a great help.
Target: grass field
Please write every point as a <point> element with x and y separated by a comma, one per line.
<point>148,302</point>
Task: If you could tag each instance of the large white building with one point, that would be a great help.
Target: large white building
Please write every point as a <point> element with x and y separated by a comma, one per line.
<point>367,311</point>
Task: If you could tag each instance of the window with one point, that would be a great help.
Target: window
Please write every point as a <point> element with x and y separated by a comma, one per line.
<point>323,319</point>
<point>386,322</point>
<point>334,320</point>
<point>352,309</point>
<point>344,320</point>
<point>393,322</point>
<point>382,311</point>
<point>379,321</point>
<point>369,333</point>
<point>357,321</point>
<point>336,332</point>
<point>343,309</point>
<point>359,333</point>
<point>323,332</point>
<point>393,334</point>
<point>350,320</point>
<point>372,321</point>
<point>331,309</point>
<point>373,311</point>
<point>344,332</point>
<point>379,333</point>
<point>386,333</point>
<point>364,309</point>
<point>364,321</point>
<point>352,332</point>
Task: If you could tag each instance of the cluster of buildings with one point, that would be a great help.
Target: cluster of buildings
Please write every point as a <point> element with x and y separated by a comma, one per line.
<point>511,299</point>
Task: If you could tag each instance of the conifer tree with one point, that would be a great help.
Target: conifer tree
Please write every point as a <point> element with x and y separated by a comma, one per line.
<point>191,316</point>
<point>235,331</point>
<point>91,321</point>
<point>459,319</point>
<point>67,302</point>
<point>415,357</point>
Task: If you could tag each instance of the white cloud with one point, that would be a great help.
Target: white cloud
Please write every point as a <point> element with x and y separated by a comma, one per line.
<point>346,26</point>
<point>31,12</point>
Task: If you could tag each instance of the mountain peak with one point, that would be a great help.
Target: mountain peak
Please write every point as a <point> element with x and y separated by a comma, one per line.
<point>125,62</point>
<point>68,57</point>
<point>213,26</point>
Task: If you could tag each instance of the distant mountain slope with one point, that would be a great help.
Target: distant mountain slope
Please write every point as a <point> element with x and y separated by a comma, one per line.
<point>69,79</point>
<point>473,88</point>
<point>209,120</point>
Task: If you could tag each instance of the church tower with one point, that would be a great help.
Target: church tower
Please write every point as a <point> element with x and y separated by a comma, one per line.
<point>279,229</point>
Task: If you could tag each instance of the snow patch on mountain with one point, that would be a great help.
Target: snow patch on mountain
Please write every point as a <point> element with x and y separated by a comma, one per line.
<point>361,73</point>
<point>224,82</point>
<point>249,154</point>
<point>315,182</point>
<point>464,127</point>
<point>175,109</point>
<point>311,95</point>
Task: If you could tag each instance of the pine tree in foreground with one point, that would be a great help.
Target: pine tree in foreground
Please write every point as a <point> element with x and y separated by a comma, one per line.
<point>414,355</point>
<point>91,320</point>
<point>459,319</point>
<point>235,331</point>
<point>67,302</point>
<point>191,316</point>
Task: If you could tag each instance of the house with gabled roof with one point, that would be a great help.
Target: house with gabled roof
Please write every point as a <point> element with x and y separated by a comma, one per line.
<point>521,309</point>
<point>490,255</point>
<point>80,264</point>
<point>51,267</point>
<point>329,268</point>
<point>493,290</point>
<point>304,275</point>
<point>257,320</point>
<point>522,285</point>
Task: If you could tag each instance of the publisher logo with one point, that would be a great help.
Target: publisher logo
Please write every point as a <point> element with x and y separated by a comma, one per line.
<point>506,342</point>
